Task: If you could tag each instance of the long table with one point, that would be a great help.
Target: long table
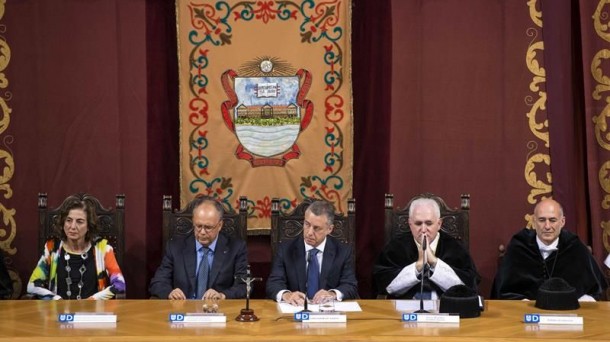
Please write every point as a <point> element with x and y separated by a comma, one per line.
<point>147,320</point>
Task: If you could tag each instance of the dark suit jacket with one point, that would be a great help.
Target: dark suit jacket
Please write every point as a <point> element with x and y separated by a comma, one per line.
<point>178,268</point>
<point>289,272</point>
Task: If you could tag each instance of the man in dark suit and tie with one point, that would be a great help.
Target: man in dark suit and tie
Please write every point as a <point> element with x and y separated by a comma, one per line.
<point>314,266</point>
<point>202,265</point>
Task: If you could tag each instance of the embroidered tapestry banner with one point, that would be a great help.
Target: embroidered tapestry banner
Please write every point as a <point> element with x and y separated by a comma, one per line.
<point>265,103</point>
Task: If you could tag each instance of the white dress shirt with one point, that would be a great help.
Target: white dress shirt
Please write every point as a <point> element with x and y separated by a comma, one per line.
<point>546,250</point>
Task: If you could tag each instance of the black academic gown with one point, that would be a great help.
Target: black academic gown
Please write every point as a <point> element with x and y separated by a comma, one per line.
<point>523,269</point>
<point>6,284</point>
<point>401,251</point>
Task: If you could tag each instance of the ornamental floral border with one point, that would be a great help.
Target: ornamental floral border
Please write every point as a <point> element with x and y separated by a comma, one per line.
<point>8,228</point>
<point>211,26</point>
<point>537,167</point>
<point>600,121</point>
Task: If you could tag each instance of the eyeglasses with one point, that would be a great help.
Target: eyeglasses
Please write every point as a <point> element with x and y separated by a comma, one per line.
<point>207,228</point>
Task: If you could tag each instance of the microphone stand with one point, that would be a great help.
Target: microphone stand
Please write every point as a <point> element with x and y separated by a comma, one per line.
<point>305,309</point>
<point>423,275</point>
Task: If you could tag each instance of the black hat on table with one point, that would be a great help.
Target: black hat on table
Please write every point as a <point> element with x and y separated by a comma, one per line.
<point>556,294</point>
<point>462,300</point>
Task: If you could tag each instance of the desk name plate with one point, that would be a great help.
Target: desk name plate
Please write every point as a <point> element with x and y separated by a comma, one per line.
<point>570,319</point>
<point>87,317</point>
<point>197,317</point>
<point>431,318</point>
<point>320,317</point>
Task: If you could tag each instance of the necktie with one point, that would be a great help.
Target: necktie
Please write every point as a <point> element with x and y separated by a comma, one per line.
<point>313,273</point>
<point>202,274</point>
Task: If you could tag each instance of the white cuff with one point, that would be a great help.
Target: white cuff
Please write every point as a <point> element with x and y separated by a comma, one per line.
<point>444,276</point>
<point>403,281</point>
<point>278,297</point>
<point>338,293</point>
<point>586,298</point>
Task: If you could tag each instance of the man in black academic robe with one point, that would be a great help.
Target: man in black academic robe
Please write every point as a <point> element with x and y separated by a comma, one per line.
<point>398,269</point>
<point>535,255</point>
<point>523,269</point>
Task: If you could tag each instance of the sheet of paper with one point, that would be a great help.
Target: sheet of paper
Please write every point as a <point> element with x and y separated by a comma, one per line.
<point>339,306</point>
<point>411,305</point>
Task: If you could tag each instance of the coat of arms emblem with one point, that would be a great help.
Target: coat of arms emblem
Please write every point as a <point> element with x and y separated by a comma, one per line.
<point>266,109</point>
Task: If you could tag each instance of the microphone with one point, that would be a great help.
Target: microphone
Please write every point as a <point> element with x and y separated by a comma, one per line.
<point>423,275</point>
<point>423,247</point>
<point>424,243</point>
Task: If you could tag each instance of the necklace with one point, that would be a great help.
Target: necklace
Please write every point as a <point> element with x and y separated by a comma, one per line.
<point>81,270</point>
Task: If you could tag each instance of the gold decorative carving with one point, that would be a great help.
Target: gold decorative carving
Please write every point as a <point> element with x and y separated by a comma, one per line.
<point>601,28</point>
<point>598,74</point>
<point>535,15</point>
<point>600,121</point>
<point>8,227</point>
<point>539,186</point>
<point>601,127</point>
<point>605,225</point>
<point>604,182</point>
<point>600,23</point>
<point>540,129</point>
<point>537,166</point>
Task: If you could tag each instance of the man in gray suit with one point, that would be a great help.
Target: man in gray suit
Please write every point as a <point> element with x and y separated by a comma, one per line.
<point>202,265</point>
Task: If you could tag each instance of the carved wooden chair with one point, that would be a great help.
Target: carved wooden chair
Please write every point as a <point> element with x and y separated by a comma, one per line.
<point>287,226</point>
<point>110,221</point>
<point>456,222</point>
<point>180,222</point>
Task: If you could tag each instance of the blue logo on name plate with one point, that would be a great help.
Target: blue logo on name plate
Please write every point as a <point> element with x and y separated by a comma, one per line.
<point>301,316</point>
<point>531,318</point>
<point>176,317</point>
<point>65,318</point>
<point>409,317</point>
